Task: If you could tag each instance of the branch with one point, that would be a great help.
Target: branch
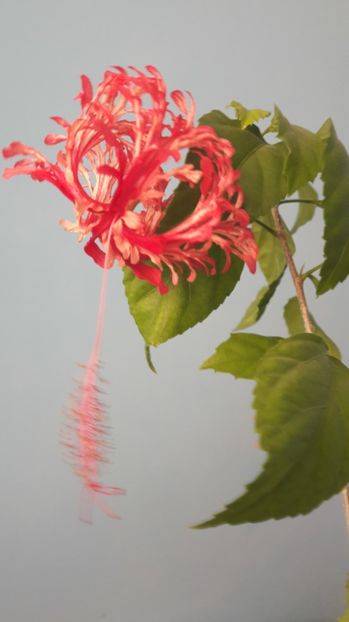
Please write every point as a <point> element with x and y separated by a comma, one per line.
<point>296,277</point>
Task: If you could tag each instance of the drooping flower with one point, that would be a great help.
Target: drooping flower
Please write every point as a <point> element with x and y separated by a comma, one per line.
<point>118,160</point>
<point>117,165</point>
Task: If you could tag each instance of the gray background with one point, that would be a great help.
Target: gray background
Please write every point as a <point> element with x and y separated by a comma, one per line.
<point>184,439</point>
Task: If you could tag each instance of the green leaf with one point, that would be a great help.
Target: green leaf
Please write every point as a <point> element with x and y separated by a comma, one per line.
<point>305,150</point>
<point>160,318</point>
<point>295,326</point>
<point>248,117</point>
<point>240,354</point>
<point>262,178</point>
<point>302,404</point>
<point>335,176</point>
<point>256,309</point>
<point>306,211</point>
<point>271,257</point>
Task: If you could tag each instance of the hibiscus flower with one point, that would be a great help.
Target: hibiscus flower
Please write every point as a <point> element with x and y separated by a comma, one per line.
<point>117,164</point>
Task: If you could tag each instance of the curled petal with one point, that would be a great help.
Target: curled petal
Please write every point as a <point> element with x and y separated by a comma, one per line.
<point>86,93</point>
<point>17,148</point>
<point>54,139</point>
<point>60,121</point>
<point>117,165</point>
<point>179,99</point>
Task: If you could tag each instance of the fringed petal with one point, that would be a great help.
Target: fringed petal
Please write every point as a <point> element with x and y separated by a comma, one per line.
<point>115,163</point>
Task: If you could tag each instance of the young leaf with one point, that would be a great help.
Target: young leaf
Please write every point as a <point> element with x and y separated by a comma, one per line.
<point>271,257</point>
<point>248,117</point>
<point>335,176</point>
<point>256,309</point>
<point>295,326</point>
<point>160,318</point>
<point>240,354</point>
<point>302,404</point>
<point>306,211</point>
<point>305,149</point>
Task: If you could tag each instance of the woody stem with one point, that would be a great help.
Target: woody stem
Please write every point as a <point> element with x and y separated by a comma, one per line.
<point>303,307</point>
<point>297,280</point>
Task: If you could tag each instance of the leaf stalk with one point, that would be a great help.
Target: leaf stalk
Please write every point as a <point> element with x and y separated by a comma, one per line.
<point>310,201</point>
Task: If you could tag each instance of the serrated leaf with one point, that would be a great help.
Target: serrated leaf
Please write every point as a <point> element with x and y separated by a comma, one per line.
<point>271,257</point>
<point>306,211</point>
<point>240,354</point>
<point>248,117</point>
<point>302,404</point>
<point>305,149</point>
<point>295,326</point>
<point>256,309</point>
<point>335,176</point>
<point>160,318</point>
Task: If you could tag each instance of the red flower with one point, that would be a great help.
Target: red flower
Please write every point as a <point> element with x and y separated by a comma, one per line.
<point>119,158</point>
<point>117,164</point>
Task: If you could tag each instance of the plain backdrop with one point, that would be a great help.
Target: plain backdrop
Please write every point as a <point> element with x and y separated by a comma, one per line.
<point>184,440</point>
